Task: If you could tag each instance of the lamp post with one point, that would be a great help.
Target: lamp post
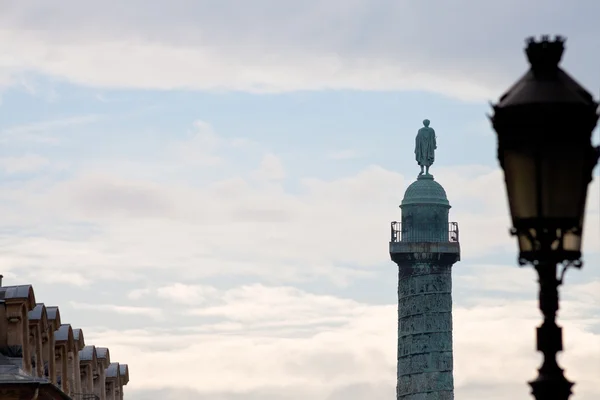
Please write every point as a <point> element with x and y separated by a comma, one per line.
<point>544,124</point>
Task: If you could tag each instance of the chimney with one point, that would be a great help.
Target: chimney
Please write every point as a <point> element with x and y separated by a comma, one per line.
<point>1,276</point>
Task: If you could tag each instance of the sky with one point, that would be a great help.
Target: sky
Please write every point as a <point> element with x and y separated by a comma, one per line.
<point>205,187</point>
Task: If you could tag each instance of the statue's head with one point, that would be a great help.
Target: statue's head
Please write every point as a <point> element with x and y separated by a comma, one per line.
<point>426,122</point>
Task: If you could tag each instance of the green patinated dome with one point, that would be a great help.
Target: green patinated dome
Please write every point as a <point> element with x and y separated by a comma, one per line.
<point>425,191</point>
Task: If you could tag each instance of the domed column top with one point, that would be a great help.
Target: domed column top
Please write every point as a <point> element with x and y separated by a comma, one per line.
<point>425,191</point>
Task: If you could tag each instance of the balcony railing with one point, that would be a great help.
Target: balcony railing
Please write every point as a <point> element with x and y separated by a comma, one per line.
<point>432,233</point>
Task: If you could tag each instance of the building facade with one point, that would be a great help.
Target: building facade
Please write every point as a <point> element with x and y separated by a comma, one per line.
<point>43,358</point>
<point>425,245</point>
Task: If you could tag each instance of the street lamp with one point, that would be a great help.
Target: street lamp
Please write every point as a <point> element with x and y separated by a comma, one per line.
<point>544,124</point>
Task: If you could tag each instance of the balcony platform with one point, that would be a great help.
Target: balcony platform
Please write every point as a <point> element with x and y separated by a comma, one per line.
<point>423,244</point>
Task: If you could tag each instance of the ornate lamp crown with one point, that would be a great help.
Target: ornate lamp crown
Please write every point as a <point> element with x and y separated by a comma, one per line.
<point>545,55</point>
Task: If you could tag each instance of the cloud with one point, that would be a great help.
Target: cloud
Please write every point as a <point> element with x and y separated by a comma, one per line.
<point>270,47</point>
<point>270,169</point>
<point>23,164</point>
<point>346,154</point>
<point>292,230</point>
<point>125,310</point>
<point>138,293</point>
<point>71,278</point>
<point>488,278</point>
<point>282,306</point>
<point>104,196</point>
<point>200,146</point>
<point>285,359</point>
<point>40,131</point>
<point>186,294</point>
<point>236,337</point>
<point>337,344</point>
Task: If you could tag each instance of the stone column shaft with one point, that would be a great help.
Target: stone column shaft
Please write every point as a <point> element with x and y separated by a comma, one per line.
<point>425,333</point>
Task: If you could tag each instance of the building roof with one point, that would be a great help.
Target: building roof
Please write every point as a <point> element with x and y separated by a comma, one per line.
<point>37,312</point>
<point>124,372</point>
<point>15,292</point>
<point>52,312</point>
<point>103,355</point>
<point>63,333</point>
<point>113,371</point>
<point>88,353</point>
<point>425,190</point>
<point>11,374</point>
<point>79,339</point>
<point>18,292</point>
<point>102,352</point>
<point>77,333</point>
